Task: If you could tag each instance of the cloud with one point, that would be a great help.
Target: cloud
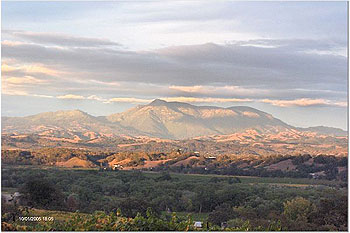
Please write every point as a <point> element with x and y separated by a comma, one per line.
<point>233,65</point>
<point>170,99</point>
<point>12,43</point>
<point>238,70</point>
<point>304,102</point>
<point>6,91</point>
<point>190,89</point>
<point>7,68</point>
<point>12,85</point>
<point>42,96</point>
<point>70,96</point>
<point>28,69</point>
<point>105,83</point>
<point>179,99</point>
<point>222,91</point>
<point>95,97</point>
<point>205,100</point>
<point>23,80</point>
<point>58,39</point>
<point>128,100</point>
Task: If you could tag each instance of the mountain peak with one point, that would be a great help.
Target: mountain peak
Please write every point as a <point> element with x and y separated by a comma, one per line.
<point>157,102</point>
<point>162,119</point>
<point>62,114</point>
<point>173,104</point>
<point>75,112</point>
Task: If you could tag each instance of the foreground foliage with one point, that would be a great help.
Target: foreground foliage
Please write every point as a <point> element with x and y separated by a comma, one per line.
<point>231,202</point>
<point>100,221</point>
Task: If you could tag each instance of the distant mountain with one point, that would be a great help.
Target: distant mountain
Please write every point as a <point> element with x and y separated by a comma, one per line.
<point>60,124</point>
<point>181,120</point>
<point>325,130</point>
<point>173,120</point>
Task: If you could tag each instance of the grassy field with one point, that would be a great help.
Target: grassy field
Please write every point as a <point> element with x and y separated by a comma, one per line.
<point>195,216</point>
<point>250,179</point>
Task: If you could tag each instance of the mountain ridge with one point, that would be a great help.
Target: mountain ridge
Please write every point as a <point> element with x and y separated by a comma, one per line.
<point>162,119</point>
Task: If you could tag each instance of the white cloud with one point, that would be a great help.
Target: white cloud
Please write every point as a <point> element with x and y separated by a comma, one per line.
<point>31,68</point>
<point>128,100</point>
<point>189,89</point>
<point>95,97</point>
<point>304,102</point>
<point>58,39</point>
<point>71,96</point>
<point>43,96</point>
<point>205,100</point>
<point>22,80</point>
<point>12,43</point>
<point>170,99</point>
<point>219,90</point>
<point>334,52</point>
<point>6,91</point>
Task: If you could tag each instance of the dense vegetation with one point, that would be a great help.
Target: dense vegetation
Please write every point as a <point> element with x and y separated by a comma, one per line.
<point>135,200</point>
<point>301,166</point>
<point>328,166</point>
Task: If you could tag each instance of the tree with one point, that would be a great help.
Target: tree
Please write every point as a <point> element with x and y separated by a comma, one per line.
<point>332,213</point>
<point>73,202</point>
<point>222,213</point>
<point>38,192</point>
<point>132,206</point>
<point>298,209</point>
<point>164,176</point>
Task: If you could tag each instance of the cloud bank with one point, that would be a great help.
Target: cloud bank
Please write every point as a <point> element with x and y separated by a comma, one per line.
<point>280,72</point>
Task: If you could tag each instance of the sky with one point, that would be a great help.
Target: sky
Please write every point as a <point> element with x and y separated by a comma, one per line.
<point>285,58</point>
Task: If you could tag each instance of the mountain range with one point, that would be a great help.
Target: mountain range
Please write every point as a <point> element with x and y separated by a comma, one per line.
<point>161,119</point>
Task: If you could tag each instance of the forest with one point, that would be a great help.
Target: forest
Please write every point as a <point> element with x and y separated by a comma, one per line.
<point>93,199</point>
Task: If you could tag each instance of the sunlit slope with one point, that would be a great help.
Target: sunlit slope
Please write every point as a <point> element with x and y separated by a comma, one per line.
<point>172,120</point>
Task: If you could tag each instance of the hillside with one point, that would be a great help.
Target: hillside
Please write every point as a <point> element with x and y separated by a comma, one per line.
<point>76,162</point>
<point>179,120</point>
<point>160,119</point>
<point>325,130</point>
<point>68,124</point>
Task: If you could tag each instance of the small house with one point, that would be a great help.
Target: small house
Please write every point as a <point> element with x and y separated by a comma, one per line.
<point>317,175</point>
<point>117,167</point>
<point>223,225</point>
<point>11,198</point>
<point>7,198</point>
<point>198,224</point>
